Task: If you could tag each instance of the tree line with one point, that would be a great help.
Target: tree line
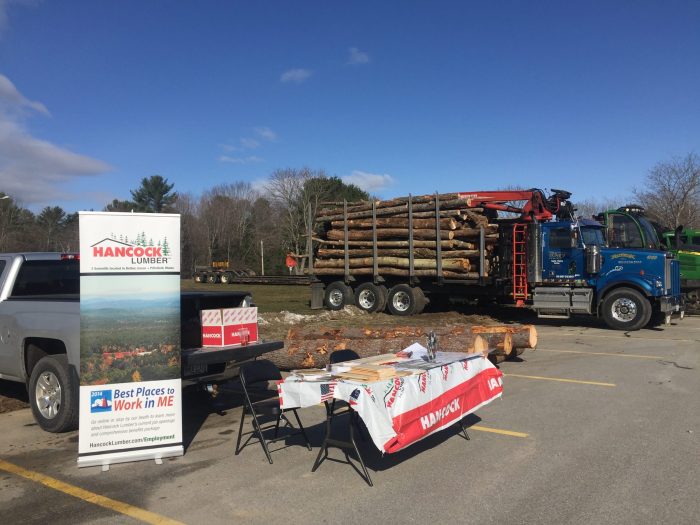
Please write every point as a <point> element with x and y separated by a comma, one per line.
<point>237,223</point>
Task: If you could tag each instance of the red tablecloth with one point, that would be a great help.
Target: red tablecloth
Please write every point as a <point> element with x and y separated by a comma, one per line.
<point>403,410</point>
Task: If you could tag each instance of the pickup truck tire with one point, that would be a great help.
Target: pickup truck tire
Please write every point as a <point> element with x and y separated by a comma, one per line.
<point>371,297</point>
<point>53,394</point>
<point>337,296</point>
<point>626,309</point>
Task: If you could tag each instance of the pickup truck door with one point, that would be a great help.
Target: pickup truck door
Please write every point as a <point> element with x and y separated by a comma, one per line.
<point>8,354</point>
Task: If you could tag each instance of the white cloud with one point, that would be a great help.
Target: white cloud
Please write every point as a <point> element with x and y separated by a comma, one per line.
<point>249,143</point>
<point>357,57</point>
<point>266,133</point>
<point>32,170</point>
<point>240,160</point>
<point>369,181</point>
<point>11,99</point>
<point>296,76</point>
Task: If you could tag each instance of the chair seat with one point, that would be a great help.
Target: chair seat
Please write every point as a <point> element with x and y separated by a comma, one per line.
<point>268,406</point>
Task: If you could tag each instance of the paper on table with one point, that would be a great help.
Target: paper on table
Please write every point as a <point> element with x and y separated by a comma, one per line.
<point>417,351</point>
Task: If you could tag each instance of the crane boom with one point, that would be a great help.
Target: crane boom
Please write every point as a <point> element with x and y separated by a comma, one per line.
<point>537,205</point>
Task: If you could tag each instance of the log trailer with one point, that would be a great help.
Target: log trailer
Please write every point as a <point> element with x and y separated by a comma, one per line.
<point>629,227</point>
<point>536,257</point>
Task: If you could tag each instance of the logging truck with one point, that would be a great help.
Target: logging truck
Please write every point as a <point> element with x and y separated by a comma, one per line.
<point>513,247</point>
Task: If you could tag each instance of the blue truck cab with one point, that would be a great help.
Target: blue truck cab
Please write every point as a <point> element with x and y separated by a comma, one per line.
<point>578,273</point>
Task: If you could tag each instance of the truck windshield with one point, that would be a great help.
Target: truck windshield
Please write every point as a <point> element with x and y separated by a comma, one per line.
<point>650,237</point>
<point>592,235</point>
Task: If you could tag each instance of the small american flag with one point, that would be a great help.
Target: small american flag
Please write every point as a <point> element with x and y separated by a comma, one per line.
<point>327,391</point>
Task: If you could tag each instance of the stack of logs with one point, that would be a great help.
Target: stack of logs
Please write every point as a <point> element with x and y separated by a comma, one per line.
<point>459,229</point>
<point>310,347</point>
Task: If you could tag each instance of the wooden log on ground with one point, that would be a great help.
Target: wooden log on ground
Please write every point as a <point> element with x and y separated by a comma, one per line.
<point>396,222</point>
<point>387,233</point>
<point>304,353</point>
<point>376,332</point>
<point>523,335</point>
<point>498,343</point>
<point>395,262</point>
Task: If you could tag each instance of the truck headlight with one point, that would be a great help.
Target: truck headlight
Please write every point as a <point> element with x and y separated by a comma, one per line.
<point>659,283</point>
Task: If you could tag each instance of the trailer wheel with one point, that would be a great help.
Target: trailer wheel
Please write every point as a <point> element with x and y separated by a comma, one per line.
<point>371,297</point>
<point>198,277</point>
<point>53,394</point>
<point>626,309</point>
<point>337,296</point>
<point>212,278</point>
<point>226,277</point>
<point>403,300</point>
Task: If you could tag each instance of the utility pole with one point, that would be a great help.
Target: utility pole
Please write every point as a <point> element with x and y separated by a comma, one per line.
<point>262,258</point>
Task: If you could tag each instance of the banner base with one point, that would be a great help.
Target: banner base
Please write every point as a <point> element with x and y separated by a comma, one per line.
<point>104,460</point>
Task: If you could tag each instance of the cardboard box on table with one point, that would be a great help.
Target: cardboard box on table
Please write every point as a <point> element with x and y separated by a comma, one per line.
<point>229,326</point>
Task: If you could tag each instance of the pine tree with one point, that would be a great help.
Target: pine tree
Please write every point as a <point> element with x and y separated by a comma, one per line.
<point>166,248</point>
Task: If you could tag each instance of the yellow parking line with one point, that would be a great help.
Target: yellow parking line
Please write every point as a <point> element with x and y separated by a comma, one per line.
<point>499,431</point>
<point>603,353</point>
<point>85,495</point>
<point>596,383</point>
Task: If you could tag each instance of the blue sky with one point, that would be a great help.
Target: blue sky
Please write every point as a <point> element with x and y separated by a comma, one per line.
<point>400,97</point>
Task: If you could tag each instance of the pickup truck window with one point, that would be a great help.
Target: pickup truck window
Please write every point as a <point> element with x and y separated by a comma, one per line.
<point>48,278</point>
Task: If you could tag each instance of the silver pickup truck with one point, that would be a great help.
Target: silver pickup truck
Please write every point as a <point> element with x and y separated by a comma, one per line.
<point>40,334</point>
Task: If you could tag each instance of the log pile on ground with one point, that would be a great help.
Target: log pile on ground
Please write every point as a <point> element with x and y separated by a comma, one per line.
<point>310,347</point>
<point>458,227</point>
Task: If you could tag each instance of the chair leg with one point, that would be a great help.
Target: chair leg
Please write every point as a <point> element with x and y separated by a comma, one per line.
<point>240,432</point>
<point>301,427</point>
<point>277,425</point>
<point>324,445</point>
<point>256,426</point>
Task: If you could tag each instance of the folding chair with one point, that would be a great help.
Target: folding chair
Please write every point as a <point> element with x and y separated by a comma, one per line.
<point>261,401</point>
<point>335,408</point>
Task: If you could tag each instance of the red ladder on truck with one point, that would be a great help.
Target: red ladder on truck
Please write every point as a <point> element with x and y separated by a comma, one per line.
<point>519,263</point>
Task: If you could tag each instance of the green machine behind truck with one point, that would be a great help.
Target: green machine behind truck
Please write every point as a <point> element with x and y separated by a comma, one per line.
<point>628,227</point>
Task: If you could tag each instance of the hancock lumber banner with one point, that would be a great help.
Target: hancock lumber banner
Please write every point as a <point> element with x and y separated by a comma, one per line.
<point>130,393</point>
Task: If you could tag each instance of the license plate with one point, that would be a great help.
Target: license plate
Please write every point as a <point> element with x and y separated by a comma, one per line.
<point>195,370</point>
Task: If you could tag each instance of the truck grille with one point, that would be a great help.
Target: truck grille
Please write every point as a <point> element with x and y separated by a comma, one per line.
<point>675,272</point>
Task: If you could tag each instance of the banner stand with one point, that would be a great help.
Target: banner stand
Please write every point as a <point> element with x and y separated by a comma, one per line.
<point>130,369</point>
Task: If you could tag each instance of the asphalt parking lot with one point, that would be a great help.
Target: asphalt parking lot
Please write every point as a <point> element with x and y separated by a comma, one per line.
<point>594,426</point>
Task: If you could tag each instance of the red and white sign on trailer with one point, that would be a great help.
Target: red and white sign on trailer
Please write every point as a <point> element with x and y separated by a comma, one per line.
<point>229,326</point>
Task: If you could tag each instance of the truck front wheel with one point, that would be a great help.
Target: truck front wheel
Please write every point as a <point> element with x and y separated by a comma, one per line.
<point>53,394</point>
<point>626,309</point>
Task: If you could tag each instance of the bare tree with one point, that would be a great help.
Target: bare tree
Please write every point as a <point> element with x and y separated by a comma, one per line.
<point>590,207</point>
<point>672,192</point>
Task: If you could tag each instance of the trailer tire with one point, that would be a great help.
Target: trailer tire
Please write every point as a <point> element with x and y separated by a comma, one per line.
<point>53,394</point>
<point>337,296</point>
<point>212,278</point>
<point>626,309</point>
<point>403,300</point>
<point>421,300</point>
<point>198,278</point>
<point>370,297</point>
<point>226,278</point>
